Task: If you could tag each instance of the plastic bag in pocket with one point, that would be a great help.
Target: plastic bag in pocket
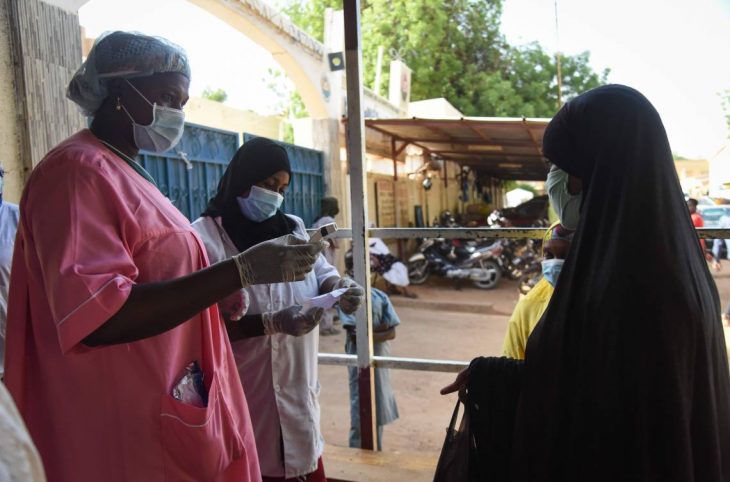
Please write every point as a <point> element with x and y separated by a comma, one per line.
<point>190,388</point>
<point>198,443</point>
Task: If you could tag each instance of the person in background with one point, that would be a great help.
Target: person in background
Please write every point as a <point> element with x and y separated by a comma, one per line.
<point>697,221</point>
<point>276,342</point>
<point>530,309</point>
<point>9,217</point>
<point>329,209</point>
<point>723,223</point>
<point>385,320</point>
<point>116,357</point>
<point>392,269</point>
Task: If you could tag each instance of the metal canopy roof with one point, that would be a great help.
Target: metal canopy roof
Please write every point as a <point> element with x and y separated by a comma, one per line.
<point>505,148</point>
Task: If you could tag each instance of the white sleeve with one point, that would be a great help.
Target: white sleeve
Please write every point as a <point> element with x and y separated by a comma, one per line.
<point>236,305</point>
<point>323,270</point>
<point>19,459</point>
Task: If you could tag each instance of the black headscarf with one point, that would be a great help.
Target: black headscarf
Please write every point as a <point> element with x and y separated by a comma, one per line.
<point>626,376</point>
<point>255,161</point>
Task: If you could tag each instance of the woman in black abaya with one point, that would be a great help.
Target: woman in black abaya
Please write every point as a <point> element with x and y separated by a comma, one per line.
<point>626,376</point>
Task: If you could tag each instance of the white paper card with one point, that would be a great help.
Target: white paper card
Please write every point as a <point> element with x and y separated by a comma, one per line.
<point>327,300</point>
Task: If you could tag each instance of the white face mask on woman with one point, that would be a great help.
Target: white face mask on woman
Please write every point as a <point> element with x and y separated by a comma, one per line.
<point>260,204</point>
<point>165,130</point>
<point>566,205</point>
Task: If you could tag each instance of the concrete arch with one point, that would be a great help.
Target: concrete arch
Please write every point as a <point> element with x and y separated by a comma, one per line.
<point>301,56</point>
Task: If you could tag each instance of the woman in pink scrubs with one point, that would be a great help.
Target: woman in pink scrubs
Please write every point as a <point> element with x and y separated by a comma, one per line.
<point>112,296</point>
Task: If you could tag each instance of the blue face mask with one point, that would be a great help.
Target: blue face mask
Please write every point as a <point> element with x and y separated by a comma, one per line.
<point>551,270</point>
<point>260,204</point>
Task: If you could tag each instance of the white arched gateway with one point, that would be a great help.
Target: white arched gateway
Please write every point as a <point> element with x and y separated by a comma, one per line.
<point>36,66</point>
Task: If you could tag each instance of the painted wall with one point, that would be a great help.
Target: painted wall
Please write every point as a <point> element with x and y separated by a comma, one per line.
<point>10,157</point>
<point>36,68</point>
<point>215,114</point>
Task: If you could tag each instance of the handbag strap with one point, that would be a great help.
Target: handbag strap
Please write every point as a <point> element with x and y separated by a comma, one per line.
<point>452,425</point>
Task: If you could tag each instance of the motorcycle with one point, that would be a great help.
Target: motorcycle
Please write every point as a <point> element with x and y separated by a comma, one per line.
<point>456,260</point>
<point>518,258</point>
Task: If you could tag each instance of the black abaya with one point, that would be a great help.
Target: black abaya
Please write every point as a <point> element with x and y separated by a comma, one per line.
<point>626,376</point>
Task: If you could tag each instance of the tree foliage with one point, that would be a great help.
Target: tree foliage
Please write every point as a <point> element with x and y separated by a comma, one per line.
<point>217,95</point>
<point>456,51</point>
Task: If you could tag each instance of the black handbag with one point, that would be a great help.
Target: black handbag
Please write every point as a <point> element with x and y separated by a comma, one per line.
<point>453,464</point>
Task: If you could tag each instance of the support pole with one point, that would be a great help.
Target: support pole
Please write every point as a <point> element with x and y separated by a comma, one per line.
<point>394,155</point>
<point>398,221</point>
<point>359,203</point>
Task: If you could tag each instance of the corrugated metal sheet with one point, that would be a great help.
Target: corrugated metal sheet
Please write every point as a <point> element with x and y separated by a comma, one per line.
<point>188,174</point>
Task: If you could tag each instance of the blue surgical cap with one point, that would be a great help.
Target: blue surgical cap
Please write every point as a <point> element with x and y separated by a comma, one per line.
<point>122,55</point>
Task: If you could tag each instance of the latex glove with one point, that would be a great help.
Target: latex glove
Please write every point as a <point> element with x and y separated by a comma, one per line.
<point>233,307</point>
<point>352,298</point>
<point>291,321</point>
<point>279,260</point>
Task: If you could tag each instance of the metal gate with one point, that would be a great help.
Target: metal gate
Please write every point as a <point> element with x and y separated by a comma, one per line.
<point>306,188</point>
<point>188,174</point>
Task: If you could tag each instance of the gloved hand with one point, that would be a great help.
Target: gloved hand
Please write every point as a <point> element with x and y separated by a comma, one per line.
<point>291,321</point>
<point>278,260</point>
<point>352,298</point>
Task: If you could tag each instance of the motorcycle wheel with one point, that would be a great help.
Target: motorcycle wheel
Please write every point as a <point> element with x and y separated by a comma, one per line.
<point>418,271</point>
<point>494,275</point>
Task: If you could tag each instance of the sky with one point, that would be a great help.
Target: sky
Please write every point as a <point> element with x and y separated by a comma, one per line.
<point>677,52</point>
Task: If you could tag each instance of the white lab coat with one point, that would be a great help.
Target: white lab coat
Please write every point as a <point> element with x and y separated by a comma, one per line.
<point>278,372</point>
<point>19,459</point>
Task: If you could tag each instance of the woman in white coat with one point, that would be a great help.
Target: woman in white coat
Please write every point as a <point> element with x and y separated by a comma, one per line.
<point>275,342</point>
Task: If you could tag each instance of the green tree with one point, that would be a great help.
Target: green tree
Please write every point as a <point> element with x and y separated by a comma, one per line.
<point>288,104</point>
<point>217,95</point>
<point>456,51</point>
<point>309,15</point>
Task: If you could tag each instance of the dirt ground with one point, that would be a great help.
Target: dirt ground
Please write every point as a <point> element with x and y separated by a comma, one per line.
<point>430,328</point>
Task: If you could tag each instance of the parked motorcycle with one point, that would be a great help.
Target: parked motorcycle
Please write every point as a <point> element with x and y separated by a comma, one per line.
<point>456,260</point>
<point>519,257</point>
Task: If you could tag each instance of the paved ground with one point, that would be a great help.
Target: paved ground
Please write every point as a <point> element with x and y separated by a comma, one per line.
<point>431,328</point>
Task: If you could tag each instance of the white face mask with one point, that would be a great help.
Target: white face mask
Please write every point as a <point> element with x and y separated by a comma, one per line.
<point>566,205</point>
<point>260,204</point>
<point>165,130</point>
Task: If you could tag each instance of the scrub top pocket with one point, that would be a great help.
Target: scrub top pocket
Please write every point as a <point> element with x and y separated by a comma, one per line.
<point>198,443</point>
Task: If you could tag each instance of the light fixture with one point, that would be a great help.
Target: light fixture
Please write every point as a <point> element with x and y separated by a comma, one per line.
<point>336,61</point>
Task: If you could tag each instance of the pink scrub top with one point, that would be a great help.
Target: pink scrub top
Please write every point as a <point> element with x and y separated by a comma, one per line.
<point>91,228</point>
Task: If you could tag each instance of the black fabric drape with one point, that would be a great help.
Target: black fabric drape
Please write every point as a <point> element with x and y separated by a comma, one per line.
<point>492,397</point>
<point>254,161</point>
<point>626,376</point>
